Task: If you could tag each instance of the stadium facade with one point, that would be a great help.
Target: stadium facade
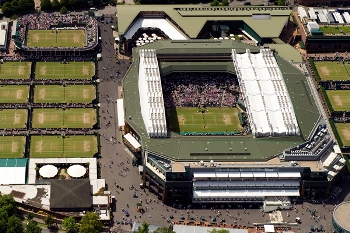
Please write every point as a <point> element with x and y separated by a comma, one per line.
<point>55,23</point>
<point>339,218</point>
<point>289,154</point>
<point>311,20</point>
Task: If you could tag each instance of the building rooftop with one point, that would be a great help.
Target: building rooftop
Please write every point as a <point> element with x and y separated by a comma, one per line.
<point>340,215</point>
<point>219,148</point>
<point>70,194</point>
<point>181,14</point>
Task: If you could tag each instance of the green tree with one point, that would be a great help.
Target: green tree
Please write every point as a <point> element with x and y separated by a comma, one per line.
<point>63,10</point>
<point>64,3</point>
<point>15,6</point>
<point>7,209</point>
<point>49,221</point>
<point>225,2</point>
<point>215,3</point>
<point>7,9</point>
<point>90,223</point>
<point>96,2</point>
<point>14,225</point>
<point>55,4</point>
<point>281,2</point>
<point>219,231</point>
<point>32,227</point>
<point>30,216</point>
<point>163,230</point>
<point>3,221</point>
<point>25,5</point>
<point>70,225</point>
<point>45,4</point>
<point>143,228</point>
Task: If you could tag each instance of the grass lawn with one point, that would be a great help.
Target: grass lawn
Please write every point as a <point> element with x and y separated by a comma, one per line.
<point>213,120</point>
<point>15,70</point>
<point>58,70</point>
<point>335,29</point>
<point>332,70</point>
<point>49,38</point>
<point>340,99</point>
<point>14,94</point>
<point>12,147</point>
<point>59,118</point>
<point>13,119</point>
<point>344,132</point>
<point>57,147</point>
<point>64,94</point>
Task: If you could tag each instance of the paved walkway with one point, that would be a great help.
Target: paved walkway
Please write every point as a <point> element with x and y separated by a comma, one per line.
<point>117,168</point>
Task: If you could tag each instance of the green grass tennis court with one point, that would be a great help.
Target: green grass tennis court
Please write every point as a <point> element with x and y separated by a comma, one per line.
<point>213,120</point>
<point>12,147</point>
<point>340,99</point>
<point>57,146</point>
<point>53,38</point>
<point>59,118</point>
<point>15,70</point>
<point>13,119</point>
<point>344,132</point>
<point>335,29</point>
<point>332,70</point>
<point>64,94</point>
<point>14,94</point>
<point>68,70</point>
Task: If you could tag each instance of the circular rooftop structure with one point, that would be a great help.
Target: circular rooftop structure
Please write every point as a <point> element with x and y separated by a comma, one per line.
<point>340,218</point>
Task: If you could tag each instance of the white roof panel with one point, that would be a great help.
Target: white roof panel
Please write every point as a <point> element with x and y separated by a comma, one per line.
<point>132,140</point>
<point>120,110</point>
<point>162,24</point>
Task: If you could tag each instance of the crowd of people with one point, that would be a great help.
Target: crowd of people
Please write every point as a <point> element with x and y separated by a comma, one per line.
<point>200,89</point>
<point>59,22</point>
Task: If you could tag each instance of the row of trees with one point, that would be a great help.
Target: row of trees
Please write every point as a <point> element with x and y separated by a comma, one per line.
<point>144,229</point>
<point>69,4</point>
<point>9,223</point>
<point>217,3</point>
<point>16,7</point>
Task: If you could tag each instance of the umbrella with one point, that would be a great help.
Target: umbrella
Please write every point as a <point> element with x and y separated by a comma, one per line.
<point>48,171</point>
<point>76,171</point>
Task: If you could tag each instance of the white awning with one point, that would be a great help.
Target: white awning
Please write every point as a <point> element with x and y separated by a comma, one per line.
<point>121,114</point>
<point>48,171</point>
<point>132,141</point>
<point>259,174</point>
<point>222,174</point>
<point>76,171</point>
<point>203,174</point>
<point>245,193</point>
<point>271,174</point>
<point>246,174</point>
<point>269,228</point>
<point>12,175</point>
<point>234,174</point>
<point>164,25</point>
<point>289,174</point>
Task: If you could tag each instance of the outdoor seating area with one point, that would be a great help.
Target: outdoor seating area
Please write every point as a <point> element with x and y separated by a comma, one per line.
<point>43,170</point>
<point>61,171</point>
